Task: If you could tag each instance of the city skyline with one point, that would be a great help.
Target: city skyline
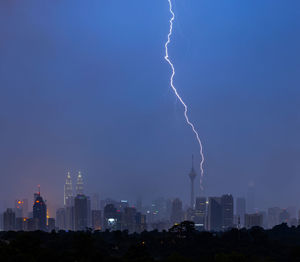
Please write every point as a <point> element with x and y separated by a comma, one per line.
<point>92,94</point>
<point>81,212</point>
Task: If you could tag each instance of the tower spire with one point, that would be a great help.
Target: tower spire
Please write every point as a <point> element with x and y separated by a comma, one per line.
<point>192,176</point>
<point>192,161</point>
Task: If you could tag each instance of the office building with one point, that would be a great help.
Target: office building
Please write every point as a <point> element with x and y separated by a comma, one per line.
<point>68,191</point>
<point>241,211</point>
<point>40,212</point>
<point>214,214</point>
<point>200,213</point>
<point>81,213</point>
<point>61,219</point>
<point>176,212</point>
<point>79,184</point>
<point>227,211</point>
<point>253,220</point>
<point>96,220</point>
<point>9,220</point>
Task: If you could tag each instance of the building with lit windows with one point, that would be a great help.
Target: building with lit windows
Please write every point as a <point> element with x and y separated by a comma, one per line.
<point>68,191</point>
<point>40,212</point>
<point>79,184</point>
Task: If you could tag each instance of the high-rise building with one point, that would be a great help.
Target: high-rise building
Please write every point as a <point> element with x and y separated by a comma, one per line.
<point>9,220</point>
<point>241,210</point>
<point>227,211</point>
<point>20,224</point>
<point>19,208</point>
<point>192,176</point>
<point>214,214</point>
<point>89,212</point>
<point>140,220</point>
<point>96,220</point>
<point>284,216</point>
<point>129,219</point>
<point>79,184</point>
<point>253,220</point>
<point>95,202</point>
<point>40,212</point>
<point>273,216</point>
<point>112,218</point>
<point>200,213</point>
<point>81,212</point>
<point>69,218</point>
<point>61,219</point>
<point>68,191</point>
<point>51,224</point>
<point>176,212</point>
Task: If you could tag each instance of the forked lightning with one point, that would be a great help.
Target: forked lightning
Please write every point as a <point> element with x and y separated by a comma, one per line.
<point>179,97</point>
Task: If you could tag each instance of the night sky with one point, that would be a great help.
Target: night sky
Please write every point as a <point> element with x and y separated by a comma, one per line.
<point>84,86</point>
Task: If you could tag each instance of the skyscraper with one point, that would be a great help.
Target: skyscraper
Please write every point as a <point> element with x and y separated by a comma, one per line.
<point>79,184</point>
<point>214,214</point>
<point>9,220</point>
<point>241,210</point>
<point>192,176</point>
<point>40,212</point>
<point>227,211</point>
<point>68,191</point>
<point>61,219</point>
<point>253,220</point>
<point>176,213</point>
<point>95,202</point>
<point>96,220</point>
<point>81,212</point>
<point>200,213</point>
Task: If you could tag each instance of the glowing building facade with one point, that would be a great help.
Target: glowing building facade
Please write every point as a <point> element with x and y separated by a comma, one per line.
<point>68,191</point>
<point>79,184</point>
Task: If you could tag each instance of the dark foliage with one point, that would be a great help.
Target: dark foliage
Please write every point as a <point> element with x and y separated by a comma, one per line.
<point>181,243</point>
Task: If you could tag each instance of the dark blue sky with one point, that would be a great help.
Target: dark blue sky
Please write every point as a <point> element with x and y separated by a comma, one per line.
<point>84,86</point>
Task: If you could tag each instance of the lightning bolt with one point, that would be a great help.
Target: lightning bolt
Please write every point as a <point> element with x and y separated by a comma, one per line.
<point>179,97</point>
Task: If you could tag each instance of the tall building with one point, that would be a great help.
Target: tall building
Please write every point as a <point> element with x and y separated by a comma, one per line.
<point>284,216</point>
<point>214,214</point>
<point>9,220</point>
<point>21,208</point>
<point>96,220</point>
<point>129,219</point>
<point>68,191</point>
<point>112,218</point>
<point>273,216</point>
<point>200,213</point>
<point>192,176</point>
<point>253,220</point>
<point>79,184</point>
<point>95,202</point>
<point>81,212</point>
<point>40,212</point>
<point>61,219</point>
<point>241,210</point>
<point>176,212</point>
<point>227,211</point>
<point>140,220</point>
<point>69,218</point>
<point>51,224</point>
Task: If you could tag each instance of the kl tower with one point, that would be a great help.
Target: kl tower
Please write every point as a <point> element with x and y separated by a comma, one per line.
<point>192,176</point>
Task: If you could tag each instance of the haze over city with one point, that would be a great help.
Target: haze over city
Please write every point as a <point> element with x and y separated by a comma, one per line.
<point>84,87</point>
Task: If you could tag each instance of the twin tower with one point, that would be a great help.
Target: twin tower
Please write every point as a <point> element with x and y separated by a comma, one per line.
<point>68,189</point>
